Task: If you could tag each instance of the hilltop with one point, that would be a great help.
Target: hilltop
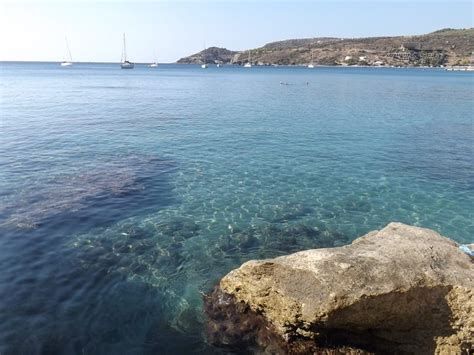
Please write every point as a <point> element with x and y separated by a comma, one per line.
<point>443,47</point>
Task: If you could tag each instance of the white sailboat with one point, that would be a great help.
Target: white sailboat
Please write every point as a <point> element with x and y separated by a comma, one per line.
<point>67,62</point>
<point>203,58</point>
<point>125,64</point>
<point>248,64</point>
<point>311,65</point>
<point>154,64</point>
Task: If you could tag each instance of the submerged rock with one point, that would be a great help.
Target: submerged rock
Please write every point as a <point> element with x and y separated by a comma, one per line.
<point>82,191</point>
<point>399,290</point>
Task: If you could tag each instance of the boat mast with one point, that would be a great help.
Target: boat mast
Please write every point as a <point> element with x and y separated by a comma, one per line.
<point>124,49</point>
<point>68,50</point>
<point>204,56</point>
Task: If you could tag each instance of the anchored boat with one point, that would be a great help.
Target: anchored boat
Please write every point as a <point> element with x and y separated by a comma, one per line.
<point>311,65</point>
<point>248,64</point>
<point>68,61</point>
<point>154,64</point>
<point>126,64</point>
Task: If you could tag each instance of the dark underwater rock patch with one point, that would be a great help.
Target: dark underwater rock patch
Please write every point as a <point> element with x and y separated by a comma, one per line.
<point>134,231</point>
<point>356,204</point>
<point>139,250</point>
<point>291,212</point>
<point>276,239</point>
<point>179,228</point>
<point>80,192</point>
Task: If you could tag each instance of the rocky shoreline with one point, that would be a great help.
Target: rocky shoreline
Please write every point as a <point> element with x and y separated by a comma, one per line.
<point>402,289</point>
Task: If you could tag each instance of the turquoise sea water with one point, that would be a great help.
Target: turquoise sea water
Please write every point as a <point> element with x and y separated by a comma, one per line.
<point>126,194</point>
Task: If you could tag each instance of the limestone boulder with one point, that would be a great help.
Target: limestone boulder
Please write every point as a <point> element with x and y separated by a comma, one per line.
<point>402,289</point>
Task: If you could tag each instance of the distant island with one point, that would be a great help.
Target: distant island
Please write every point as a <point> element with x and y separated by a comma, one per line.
<point>446,47</point>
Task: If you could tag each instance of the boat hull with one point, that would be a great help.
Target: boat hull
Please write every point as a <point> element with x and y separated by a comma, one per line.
<point>127,65</point>
<point>66,64</point>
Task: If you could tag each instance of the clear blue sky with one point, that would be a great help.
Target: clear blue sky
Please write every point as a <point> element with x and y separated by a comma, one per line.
<point>35,30</point>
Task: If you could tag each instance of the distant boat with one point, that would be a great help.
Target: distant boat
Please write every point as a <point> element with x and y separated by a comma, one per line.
<point>68,61</point>
<point>154,64</point>
<point>311,65</point>
<point>248,64</point>
<point>218,65</point>
<point>126,64</point>
<point>203,58</point>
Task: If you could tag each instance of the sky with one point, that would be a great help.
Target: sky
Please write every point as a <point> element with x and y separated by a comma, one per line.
<point>36,30</point>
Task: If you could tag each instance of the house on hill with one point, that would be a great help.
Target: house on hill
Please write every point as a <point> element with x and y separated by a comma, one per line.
<point>415,53</point>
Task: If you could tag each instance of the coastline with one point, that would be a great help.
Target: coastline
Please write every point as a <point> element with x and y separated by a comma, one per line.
<point>303,66</point>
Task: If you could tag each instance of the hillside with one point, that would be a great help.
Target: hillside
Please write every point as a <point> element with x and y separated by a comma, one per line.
<point>443,47</point>
<point>210,55</point>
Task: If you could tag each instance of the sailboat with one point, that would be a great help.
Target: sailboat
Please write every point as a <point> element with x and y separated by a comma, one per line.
<point>311,65</point>
<point>154,64</point>
<point>203,57</point>
<point>68,61</point>
<point>125,63</point>
<point>248,64</point>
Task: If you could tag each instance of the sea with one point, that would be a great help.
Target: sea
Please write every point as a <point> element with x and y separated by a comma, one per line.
<point>125,195</point>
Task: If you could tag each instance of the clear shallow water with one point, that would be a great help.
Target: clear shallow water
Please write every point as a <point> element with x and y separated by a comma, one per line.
<point>125,194</point>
